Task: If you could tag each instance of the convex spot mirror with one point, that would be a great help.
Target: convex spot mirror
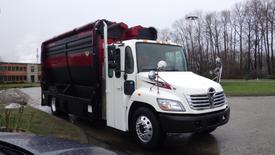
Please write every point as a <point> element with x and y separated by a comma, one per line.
<point>152,75</point>
<point>162,65</point>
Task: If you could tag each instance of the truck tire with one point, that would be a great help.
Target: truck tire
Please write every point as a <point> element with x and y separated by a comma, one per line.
<point>145,128</point>
<point>53,104</point>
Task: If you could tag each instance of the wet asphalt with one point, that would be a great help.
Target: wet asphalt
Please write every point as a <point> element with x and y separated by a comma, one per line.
<point>250,130</point>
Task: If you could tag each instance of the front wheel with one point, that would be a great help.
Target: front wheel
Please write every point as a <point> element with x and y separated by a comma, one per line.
<point>145,128</point>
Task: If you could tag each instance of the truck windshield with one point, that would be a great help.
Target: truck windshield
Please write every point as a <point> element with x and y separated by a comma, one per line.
<point>149,54</point>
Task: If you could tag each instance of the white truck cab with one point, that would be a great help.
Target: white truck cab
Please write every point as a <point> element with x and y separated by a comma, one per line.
<point>150,92</point>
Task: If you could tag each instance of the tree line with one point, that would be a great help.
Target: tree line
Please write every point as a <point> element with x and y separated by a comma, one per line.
<point>243,37</point>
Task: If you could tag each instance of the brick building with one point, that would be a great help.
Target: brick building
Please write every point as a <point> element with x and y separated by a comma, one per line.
<point>19,72</point>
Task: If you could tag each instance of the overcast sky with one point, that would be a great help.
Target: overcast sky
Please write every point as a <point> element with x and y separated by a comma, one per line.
<point>24,24</point>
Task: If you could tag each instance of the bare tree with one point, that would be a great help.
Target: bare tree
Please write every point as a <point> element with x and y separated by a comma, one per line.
<point>243,37</point>
<point>165,34</point>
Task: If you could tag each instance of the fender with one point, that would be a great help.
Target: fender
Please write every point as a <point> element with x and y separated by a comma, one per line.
<point>149,98</point>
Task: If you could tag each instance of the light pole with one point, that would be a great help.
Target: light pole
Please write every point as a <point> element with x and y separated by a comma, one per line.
<point>191,18</point>
<point>37,55</point>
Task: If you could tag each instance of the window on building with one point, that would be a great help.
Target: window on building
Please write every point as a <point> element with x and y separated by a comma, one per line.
<point>5,68</point>
<point>1,68</point>
<point>17,68</point>
<point>32,68</point>
<point>13,68</point>
<point>9,68</point>
<point>25,78</point>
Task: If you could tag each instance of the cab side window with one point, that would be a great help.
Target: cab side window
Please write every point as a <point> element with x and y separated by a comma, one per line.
<point>117,61</point>
<point>129,60</point>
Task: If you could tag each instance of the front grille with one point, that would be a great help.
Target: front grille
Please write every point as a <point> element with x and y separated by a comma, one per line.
<point>203,101</point>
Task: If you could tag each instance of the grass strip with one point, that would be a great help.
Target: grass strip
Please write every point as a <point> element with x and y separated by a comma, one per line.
<point>249,87</point>
<point>41,123</point>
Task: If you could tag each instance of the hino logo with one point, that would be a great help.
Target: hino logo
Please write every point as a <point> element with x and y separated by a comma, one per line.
<point>211,93</point>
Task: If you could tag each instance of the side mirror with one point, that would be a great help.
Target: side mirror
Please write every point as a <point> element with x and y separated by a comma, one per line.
<point>218,70</point>
<point>111,57</point>
<point>112,64</point>
<point>211,73</point>
<point>162,65</point>
<point>152,75</point>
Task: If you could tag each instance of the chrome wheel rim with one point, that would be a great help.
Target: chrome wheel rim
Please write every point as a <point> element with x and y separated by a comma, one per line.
<point>144,129</point>
<point>53,106</point>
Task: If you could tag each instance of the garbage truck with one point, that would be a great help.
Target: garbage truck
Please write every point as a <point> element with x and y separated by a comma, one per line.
<point>123,75</point>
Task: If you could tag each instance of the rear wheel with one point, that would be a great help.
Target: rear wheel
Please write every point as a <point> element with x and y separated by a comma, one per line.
<point>145,128</point>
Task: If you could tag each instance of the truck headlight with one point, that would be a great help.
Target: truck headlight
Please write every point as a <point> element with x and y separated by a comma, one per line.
<point>170,105</point>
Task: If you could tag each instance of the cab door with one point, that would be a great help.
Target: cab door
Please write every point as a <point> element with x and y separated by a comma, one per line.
<point>114,89</point>
<point>120,84</point>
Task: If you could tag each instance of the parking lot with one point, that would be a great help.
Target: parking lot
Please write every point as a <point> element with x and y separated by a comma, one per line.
<point>250,131</point>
